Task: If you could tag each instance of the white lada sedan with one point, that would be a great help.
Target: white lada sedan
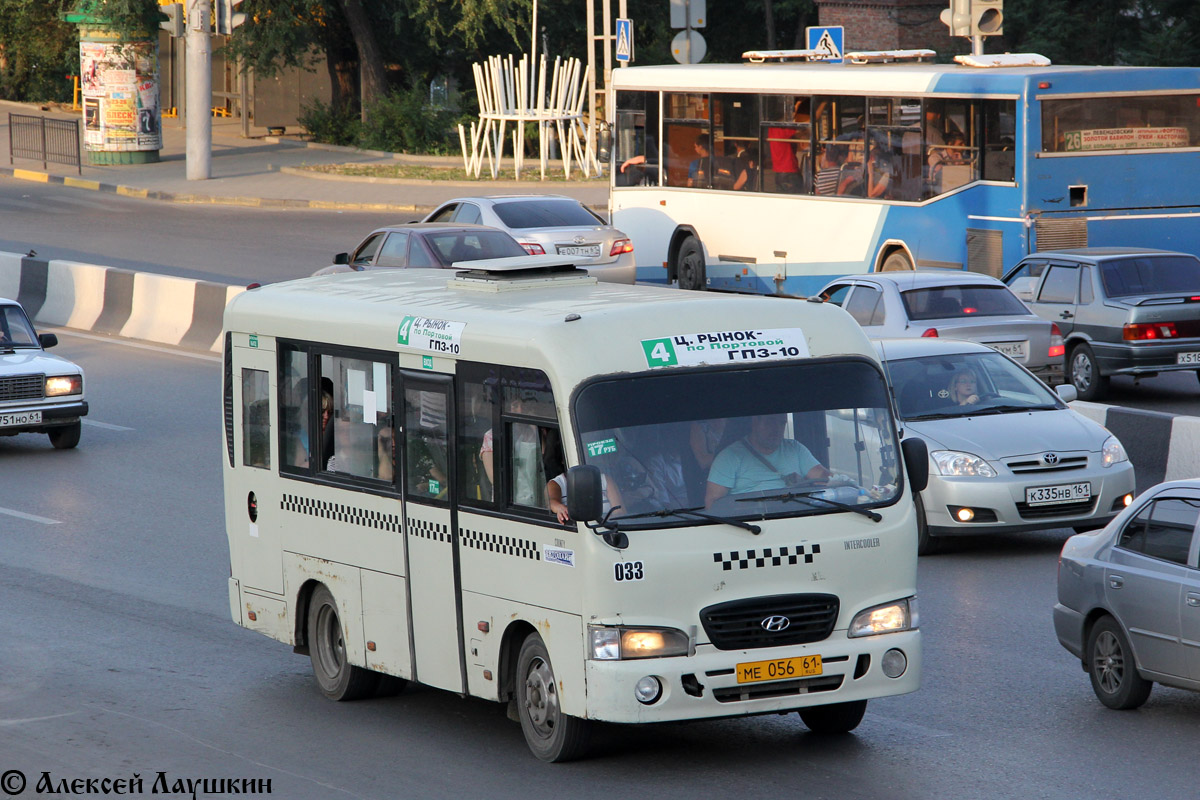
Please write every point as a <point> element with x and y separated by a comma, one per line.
<point>1006,453</point>
<point>39,392</point>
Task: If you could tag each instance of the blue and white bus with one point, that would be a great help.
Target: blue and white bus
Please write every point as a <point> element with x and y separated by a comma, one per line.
<point>775,177</point>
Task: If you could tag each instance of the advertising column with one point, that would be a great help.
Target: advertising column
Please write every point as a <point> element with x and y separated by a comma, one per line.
<point>122,119</point>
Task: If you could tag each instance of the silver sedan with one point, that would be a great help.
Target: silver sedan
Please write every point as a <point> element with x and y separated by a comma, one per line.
<point>1129,597</point>
<point>550,225</point>
<point>1005,453</point>
<point>951,304</point>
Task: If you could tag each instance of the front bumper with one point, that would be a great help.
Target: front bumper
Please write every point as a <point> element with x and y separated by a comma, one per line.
<point>1004,496</point>
<point>705,685</point>
<point>54,415</point>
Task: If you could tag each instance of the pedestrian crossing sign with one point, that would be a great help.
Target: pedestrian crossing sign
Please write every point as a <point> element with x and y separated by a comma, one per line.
<point>828,41</point>
<point>624,40</point>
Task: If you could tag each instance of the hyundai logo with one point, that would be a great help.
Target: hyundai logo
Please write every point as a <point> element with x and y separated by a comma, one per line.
<point>776,623</point>
<point>1050,458</point>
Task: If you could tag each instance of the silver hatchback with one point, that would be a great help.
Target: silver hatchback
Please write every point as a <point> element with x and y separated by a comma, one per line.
<point>1005,452</point>
<point>1129,597</point>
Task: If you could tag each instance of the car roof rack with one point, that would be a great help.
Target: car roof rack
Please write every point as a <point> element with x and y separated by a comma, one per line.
<point>1004,60</point>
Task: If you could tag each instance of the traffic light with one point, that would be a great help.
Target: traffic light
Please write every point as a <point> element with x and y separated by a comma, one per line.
<point>958,17</point>
<point>987,17</point>
<point>173,24</point>
<point>227,19</point>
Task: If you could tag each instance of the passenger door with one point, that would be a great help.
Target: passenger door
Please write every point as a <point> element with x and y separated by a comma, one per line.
<point>430,512</point>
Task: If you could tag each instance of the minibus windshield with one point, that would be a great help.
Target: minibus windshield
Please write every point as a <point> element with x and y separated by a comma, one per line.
<point>786,440</point>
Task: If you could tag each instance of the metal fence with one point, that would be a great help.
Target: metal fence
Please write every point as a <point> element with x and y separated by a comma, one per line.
<point>43,139</point>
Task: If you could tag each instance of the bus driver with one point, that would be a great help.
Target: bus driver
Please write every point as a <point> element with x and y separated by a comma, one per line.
<point>762,461</point>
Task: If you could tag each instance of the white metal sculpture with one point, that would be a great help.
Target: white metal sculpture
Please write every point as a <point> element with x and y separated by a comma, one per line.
<point>508,92</point>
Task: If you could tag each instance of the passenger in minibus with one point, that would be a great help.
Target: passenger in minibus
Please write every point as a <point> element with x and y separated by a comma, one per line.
<point>762,461</point>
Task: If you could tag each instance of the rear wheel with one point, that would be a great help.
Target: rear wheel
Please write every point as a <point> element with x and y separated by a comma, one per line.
<point>1111,666</point>
<point>338,679</point>
<point>689,265</point>
<point>66,437</point>
<point>835,718</point>
<point>897,261</point>
<point>1084,374</point>
<point>550,734</point>
<point>926,544</point>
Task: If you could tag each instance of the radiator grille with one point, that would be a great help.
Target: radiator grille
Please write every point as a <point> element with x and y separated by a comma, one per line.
<point>1062,510</point>
<point>758,691</point>
<point>22,387</point>
<point>1034,464</point>
<point>1060,234</point>
<point>738,625</point>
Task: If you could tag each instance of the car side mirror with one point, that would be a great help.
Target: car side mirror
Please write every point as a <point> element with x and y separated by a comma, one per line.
<point>603,143</point>
<point>585,493</point>
<point>47,340</point>
<point>916,463</point>
<point>1067,392</point>
<point>341,258</point>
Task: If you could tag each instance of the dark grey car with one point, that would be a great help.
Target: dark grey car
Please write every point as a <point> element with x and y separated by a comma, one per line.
<point>1129,597</point>
<point>1121,311</point>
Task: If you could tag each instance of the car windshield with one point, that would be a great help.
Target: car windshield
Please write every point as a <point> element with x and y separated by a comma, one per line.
<point>774,441</point>
<point>452,246</point>
<point>943,302</point>
<point>963,385</point>
<point>550,213</point>
<point>15,330</point>
<point>1150,275</point>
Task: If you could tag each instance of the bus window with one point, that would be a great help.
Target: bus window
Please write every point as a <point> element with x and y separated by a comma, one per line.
<point>295,412</point>
<point>425,426</point>
<point>1153,121</point>
<point>951,156</point>
<point>525,404</point>
<point>895,128</point>
<point>787,136</point>
<point>476,410</point>
<point>636,142</point>
<point>735,141</point>
<point>256,420</point>
<point>687,154</point>
<point>999,140</point>
<point>354,441</point>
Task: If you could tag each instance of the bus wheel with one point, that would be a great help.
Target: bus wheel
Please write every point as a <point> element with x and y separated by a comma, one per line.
<point>338,679</point>
<point>550,734</point>
<point>835,718</point>
<point>689,264</point>
<point>897,261</point>
<point>66,437</point>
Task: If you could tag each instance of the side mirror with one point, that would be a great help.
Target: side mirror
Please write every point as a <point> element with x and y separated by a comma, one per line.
<point>1067,392</point>
<point>603,143</point>
<point>341,258</point>
<point>585,493</point>
<point>916,463</point>
<point>47,340</point>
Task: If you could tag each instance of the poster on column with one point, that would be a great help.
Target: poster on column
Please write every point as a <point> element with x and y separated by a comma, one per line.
<point>119,84</point>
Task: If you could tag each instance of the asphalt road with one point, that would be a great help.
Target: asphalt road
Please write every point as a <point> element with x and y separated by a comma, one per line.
<point>119,658</point>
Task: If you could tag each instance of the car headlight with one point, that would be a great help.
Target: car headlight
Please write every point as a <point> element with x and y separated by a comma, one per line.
<point>1112,452</point>
<point>624,644</point>
<point>58,385</point>
<point>901,615</point>
<point>961,465</point>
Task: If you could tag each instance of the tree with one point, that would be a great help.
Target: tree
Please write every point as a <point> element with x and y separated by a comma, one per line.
<point>39,51</point>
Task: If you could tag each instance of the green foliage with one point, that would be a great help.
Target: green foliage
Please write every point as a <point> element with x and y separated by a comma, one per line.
<point>330,125</point>
<point>38,51</point>
<point>129,19</point>
<point>405,122</point>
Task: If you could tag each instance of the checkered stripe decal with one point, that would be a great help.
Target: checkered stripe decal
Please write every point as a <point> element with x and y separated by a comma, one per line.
<point>340,513</point>
<point>768,557</point>
<point>506,545</point>
<point>424,529</point>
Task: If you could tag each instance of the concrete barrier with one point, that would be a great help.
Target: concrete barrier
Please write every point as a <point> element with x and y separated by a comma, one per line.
<point>121,302</point>
<point>1161,447</point>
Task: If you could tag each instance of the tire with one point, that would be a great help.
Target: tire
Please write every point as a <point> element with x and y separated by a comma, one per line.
<point>689,265</point>
<point>1084,374</point>
<point>835,718</point>
<point>926,544</point>
<point>897,261</point>
<point>1111,666</point>
<point>66,437</point>
<point>337,679</point>
<point>550,734</point>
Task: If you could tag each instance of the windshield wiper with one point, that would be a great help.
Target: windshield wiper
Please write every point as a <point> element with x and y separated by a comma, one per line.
<point>688,512</point>
<point>810,498</point>
<point>1003,409</point>
<point>933,415</point>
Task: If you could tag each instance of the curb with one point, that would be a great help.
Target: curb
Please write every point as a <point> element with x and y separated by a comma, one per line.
<point>165,309</point>
<point>330,176</point>
<point>200,199</point>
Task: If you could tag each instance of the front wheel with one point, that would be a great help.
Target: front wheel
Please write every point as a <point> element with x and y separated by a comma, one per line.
<point>689,265</point>
<point>66,437</point>
<point>550,734</point>
<point>1111,666</point>
<point>835,718</point>
<point>338,679</point>
<point>1084,374</point>
<point>926,544</point>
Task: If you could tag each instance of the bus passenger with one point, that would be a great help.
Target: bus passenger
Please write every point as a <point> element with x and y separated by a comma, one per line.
<point>746,171</point>
<point>879,174</point>
<point>698,169</point>
<point>829,180</point>
<point>762,461</point>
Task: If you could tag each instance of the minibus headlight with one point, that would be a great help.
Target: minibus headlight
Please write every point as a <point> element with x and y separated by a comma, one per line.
<point>888,618</point>
<point>623,644</point>
<point>58,385</point>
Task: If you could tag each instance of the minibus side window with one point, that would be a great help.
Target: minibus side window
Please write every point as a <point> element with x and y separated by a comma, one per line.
<point>256,419</point>
<point>426,436</point>
<point>477,407</point>
<point>356,417</point>
<point>295,413</point>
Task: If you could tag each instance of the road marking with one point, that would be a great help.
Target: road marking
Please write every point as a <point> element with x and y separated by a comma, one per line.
<point>137,345</point>
<point>108,426</point>
<point>11,722</point>
<point>30,517</point>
